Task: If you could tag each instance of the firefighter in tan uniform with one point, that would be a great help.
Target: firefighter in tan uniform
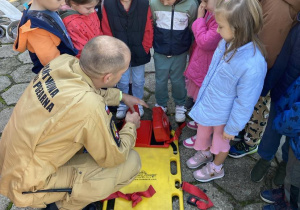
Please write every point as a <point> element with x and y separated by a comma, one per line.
<point>61,111</point>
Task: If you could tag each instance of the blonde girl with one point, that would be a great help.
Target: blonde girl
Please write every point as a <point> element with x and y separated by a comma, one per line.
<point>231,87</point>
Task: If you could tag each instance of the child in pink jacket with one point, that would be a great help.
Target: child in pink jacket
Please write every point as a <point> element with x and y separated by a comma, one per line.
<point>206,41</point>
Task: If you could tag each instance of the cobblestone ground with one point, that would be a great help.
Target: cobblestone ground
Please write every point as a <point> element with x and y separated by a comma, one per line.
<point>234,191</point>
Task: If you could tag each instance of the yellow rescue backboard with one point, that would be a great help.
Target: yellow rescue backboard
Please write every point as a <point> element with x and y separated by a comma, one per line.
<point>156,171</point>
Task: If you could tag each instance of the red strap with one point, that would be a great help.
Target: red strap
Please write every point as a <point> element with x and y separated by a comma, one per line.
<point>134,197</point>
<point>177,133</point>
<point>187,187</point>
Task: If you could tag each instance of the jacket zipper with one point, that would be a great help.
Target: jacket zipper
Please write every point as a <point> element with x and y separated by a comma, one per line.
<point>171,33</point>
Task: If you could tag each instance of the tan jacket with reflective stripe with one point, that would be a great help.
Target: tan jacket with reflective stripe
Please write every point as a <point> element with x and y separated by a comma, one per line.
<point>59,113</point>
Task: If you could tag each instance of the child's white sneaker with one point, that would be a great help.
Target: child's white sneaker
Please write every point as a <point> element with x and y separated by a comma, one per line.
<point>165,109</point>
<point>180,113</point>
<point>192,125</point>
<point>141,110</point>
<point>208,173</point>
<point>189,142</point>
<point>121,112</point>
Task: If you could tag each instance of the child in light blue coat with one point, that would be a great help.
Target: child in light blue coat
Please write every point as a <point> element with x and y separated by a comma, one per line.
<point>231,87</point>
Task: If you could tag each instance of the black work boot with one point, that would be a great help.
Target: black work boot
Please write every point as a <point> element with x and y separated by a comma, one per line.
<point>91,206</point>
<point>51,206</point>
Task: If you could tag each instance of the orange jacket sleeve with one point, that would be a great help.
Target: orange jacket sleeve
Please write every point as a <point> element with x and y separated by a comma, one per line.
<point>148,35</point>
<point>44,45</point>
<point>105,24</point>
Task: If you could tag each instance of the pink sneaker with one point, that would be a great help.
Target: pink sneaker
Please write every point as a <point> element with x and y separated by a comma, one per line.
<point>189,143</point>
<point>208,173</point>
<point>192,125</point>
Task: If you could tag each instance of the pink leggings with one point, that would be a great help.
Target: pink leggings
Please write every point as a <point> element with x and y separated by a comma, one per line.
<point>216,143</point>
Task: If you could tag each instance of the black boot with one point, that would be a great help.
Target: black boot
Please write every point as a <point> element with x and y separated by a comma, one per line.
<point>91,206</point>
<point>51,206</point>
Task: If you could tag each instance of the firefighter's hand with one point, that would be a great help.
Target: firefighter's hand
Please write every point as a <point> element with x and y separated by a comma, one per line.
<point>133,118</point>
<point>227,136</point>
<point>130,101</point>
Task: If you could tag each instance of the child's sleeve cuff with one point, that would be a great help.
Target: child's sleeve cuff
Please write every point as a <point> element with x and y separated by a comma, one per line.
<point>121,95</point>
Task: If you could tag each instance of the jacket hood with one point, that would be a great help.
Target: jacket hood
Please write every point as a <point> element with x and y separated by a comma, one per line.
<point>180,1</point>
<point>65,13</point>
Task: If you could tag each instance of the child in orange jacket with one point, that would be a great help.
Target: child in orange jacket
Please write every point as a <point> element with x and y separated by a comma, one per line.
<point>43,34</point>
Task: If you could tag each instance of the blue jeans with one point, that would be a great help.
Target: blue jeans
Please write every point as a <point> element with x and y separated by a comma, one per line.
<point>137,75</point>
<point>172,68</point>
<point>271,140</point>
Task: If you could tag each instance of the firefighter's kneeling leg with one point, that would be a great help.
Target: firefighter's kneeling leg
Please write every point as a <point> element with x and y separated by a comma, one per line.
<point>89,182</point>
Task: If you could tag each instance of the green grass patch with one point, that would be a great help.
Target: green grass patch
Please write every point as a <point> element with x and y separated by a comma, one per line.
<point>2,101</point>
<point>8,75</point>
<point>6,89</point>
<point>9,206</point>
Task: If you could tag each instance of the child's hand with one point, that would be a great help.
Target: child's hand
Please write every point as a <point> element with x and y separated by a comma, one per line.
<point>227,136</point>
<point>201,9</point>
